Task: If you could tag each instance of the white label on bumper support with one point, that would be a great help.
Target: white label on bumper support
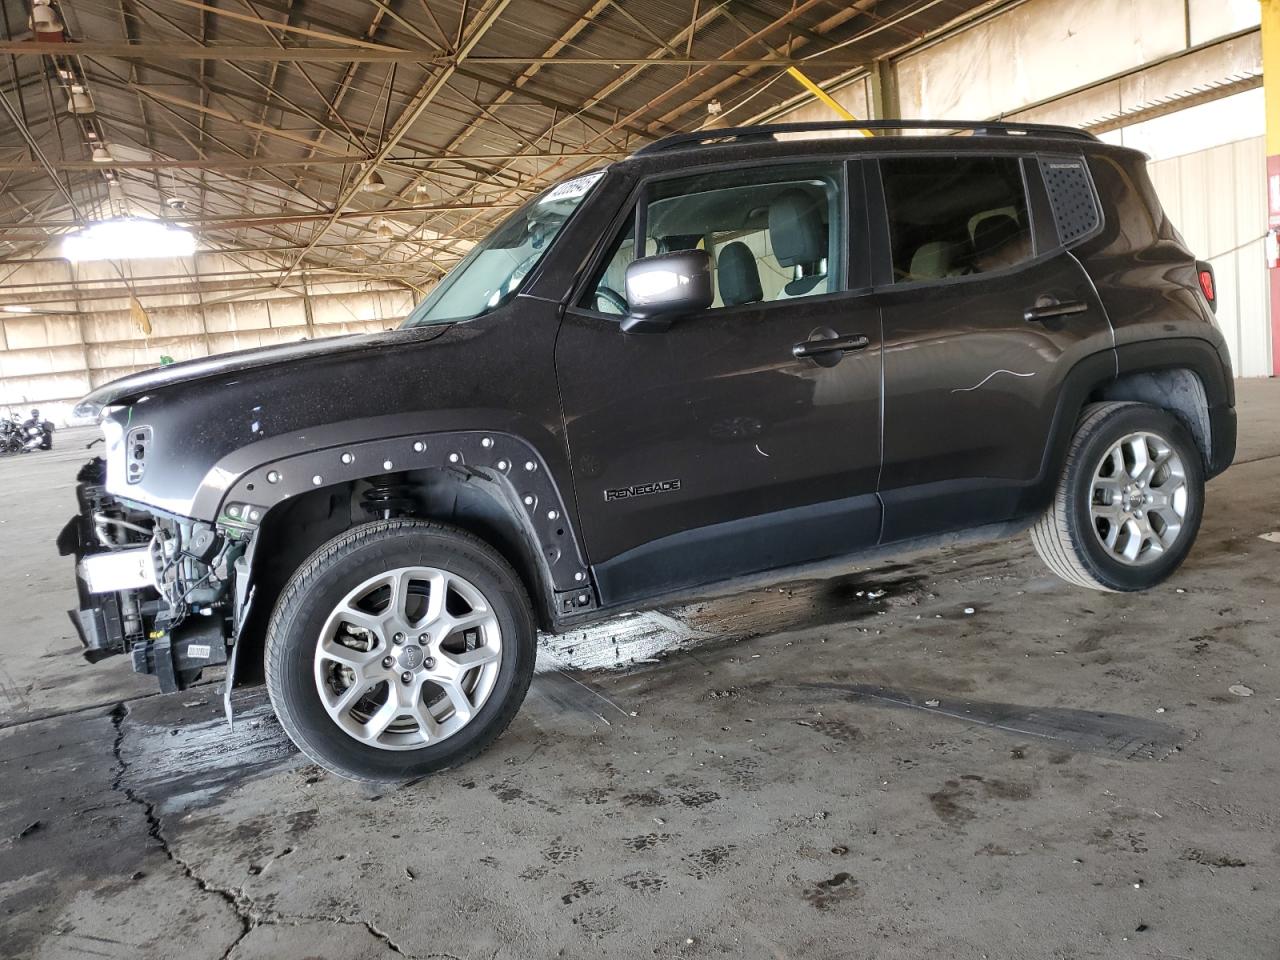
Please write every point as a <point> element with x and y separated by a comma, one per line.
<point>118,570</point>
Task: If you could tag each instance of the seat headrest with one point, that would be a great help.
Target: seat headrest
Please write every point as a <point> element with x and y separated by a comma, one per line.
<point>796,231</point>
<point>933,260</point>
<point>994,232</point>
<point>738,275</point>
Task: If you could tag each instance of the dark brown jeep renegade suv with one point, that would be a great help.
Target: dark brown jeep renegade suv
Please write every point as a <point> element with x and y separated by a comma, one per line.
<point>737,354</point>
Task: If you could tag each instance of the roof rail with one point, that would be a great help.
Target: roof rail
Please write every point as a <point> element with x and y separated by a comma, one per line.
<point>714,137</point>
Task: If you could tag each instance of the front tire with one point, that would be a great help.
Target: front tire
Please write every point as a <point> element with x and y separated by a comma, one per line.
<point>1128,505</point>
<point>399,648</point>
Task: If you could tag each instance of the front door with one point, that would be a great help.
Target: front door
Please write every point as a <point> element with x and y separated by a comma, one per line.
<point>984,314</point>
<point>710,450</point>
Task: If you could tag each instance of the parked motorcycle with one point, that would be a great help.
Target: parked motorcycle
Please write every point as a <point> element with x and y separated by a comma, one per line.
<point>11,436</point>
<point>37,434</point>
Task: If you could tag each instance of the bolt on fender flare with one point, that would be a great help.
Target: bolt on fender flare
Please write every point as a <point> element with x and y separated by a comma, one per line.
<point>503,458</point>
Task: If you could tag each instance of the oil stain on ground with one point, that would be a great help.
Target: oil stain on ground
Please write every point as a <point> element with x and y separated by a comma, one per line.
<point>187,767</point>
<point>948,804</point>
<point>1115,735</point>
<point>825,893</point>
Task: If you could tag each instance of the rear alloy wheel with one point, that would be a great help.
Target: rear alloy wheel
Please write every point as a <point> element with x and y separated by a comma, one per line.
<point>399,648</point>
<point>1139,498</point>
<point>1128,505</point>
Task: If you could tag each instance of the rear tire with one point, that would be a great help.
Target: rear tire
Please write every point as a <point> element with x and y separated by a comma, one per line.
<point>399,648</point>
<point>1127,508</point>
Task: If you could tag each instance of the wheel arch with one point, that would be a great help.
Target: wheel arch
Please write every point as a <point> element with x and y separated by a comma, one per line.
<point>490,484</point>
<point>1176,389</point>
<point>1184,375</point>
<point>1188,377</point>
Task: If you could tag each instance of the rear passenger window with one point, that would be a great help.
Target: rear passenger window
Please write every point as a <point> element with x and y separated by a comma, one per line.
<point>955,216</point>
<point>773,234</point>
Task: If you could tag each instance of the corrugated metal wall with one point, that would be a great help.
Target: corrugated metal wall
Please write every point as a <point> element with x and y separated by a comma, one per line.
<point>1217,200</point>
<point>51,359</point>
<point>1044,48</point>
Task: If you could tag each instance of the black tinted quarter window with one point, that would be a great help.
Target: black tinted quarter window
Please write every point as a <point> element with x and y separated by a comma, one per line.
<point>1071,194</point>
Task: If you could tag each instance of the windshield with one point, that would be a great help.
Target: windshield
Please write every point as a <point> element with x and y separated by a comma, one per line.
<point>492,272</point>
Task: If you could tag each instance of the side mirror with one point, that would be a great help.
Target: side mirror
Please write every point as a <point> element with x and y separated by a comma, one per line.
<point>667,286</point>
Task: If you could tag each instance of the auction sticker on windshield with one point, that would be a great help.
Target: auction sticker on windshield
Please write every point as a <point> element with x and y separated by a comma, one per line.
<point>572,189</point>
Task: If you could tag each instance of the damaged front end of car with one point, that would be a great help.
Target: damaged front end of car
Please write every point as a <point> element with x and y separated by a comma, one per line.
<point>156,586</point>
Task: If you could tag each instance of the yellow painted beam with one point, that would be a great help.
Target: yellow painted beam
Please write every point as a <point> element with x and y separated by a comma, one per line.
<point>1271,99</point>
<point>1271,72</point>
<point>821,94</point>
<point>826,98</point>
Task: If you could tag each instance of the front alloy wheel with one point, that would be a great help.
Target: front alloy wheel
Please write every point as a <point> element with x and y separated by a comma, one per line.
<point>408,657</point>
<point>399,648</point>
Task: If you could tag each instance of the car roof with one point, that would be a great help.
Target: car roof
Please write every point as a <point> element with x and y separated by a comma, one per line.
<point>775,131</point>
<point>788,141</point>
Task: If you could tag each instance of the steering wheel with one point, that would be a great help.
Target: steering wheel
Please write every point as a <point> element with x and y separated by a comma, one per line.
<point>613,298</point>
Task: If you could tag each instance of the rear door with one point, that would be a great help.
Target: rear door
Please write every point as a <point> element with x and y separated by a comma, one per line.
<point>710,449</point>
<point>984,313</point>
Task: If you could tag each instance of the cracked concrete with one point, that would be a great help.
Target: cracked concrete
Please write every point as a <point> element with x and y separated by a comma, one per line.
<point>155,830</point>
<point>251,918</point>
<point>815,770</point>
<point>91,879</point>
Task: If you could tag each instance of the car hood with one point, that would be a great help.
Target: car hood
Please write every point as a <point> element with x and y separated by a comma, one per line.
<point>129,388</point>
<point>200,425</point>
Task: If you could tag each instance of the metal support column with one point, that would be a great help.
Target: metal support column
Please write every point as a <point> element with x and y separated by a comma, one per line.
<point>884,91</point>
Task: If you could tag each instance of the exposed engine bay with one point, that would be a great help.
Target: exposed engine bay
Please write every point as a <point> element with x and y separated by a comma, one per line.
<point>157,587</point>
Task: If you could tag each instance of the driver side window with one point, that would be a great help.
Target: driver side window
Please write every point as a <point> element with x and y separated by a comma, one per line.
<point>772,234</point>
<point>608,293</point>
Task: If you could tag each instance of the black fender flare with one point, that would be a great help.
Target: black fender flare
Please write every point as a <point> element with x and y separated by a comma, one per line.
<point>1099,370</point>
<point>519,471</point>
<point>1203,357</point>
<point>1208,359</point>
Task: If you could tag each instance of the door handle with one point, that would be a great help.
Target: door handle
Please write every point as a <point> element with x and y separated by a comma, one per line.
<point>819,345</point>
<point>1046,308</point>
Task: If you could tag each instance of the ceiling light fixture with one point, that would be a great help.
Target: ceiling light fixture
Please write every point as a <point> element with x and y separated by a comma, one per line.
<point>102,155</point>
<point>129,239</point>
<point>79,101</point>
<point>45,19</point>
<point>16,308</point>
<point>374,183</point>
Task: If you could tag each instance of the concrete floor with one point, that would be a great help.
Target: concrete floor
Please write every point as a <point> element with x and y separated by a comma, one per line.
<point>772,778</point>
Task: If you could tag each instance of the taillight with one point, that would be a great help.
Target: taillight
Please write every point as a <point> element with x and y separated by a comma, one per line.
<point>1207,286</point>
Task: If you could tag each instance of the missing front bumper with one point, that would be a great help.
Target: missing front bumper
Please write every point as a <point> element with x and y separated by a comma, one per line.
<point>177,659</point>
<point>99,627</point>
